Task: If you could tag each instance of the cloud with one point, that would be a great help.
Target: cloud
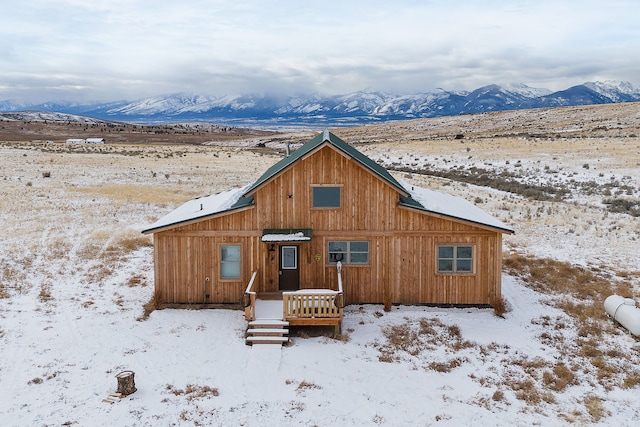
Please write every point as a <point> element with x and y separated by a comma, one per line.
<point>133,48</point>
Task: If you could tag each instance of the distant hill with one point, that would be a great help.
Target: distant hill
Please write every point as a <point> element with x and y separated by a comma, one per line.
<point>341,110</point>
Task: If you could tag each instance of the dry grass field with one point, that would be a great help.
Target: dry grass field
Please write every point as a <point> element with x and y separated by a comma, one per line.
<point>567,180</point>
<point>54,127</point>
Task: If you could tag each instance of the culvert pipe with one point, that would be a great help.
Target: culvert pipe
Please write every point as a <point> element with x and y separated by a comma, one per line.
<point>625,312</point>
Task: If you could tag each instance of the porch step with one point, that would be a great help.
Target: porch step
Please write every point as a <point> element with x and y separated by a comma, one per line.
<point>267,331</point>
<point>267,340</point>
<point>267,323</point>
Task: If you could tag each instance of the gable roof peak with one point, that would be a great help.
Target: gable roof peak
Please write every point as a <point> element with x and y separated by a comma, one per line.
<point>338,144</point>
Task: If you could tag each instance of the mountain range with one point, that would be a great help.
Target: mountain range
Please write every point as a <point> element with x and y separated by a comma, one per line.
<point>351,109</point>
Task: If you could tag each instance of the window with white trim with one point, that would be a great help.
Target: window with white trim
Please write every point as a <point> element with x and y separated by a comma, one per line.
<point>230,262</point>
<point>455,259</point>
<point>349,252</point>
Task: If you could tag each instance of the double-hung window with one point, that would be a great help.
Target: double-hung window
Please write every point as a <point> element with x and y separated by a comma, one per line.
<point>230,262</point>
<point>349,252</point>
<point>455,259</point>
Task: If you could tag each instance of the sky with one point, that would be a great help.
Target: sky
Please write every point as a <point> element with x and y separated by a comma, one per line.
<point>85,51</point>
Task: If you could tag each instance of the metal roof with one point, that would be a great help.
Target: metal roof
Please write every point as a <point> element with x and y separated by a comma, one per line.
<point>189,212</point>
<point>327,137</point>
<point>413,197</point>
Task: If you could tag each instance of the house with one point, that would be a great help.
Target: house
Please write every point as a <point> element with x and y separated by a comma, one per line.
<point>324,227</point>
<point>85,141</point>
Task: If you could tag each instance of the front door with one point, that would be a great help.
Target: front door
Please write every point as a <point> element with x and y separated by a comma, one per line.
<point>289,272</point>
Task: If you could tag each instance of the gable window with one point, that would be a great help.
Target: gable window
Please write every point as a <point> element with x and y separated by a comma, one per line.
<point>230,262</point>
<point>326,197</point>
<point>455,259</point>
<point>349,252</point>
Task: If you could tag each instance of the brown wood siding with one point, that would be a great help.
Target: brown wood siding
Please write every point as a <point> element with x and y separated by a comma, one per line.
<point>402,243</point>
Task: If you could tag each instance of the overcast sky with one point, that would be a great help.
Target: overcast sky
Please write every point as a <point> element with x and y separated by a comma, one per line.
<point>90,50</point>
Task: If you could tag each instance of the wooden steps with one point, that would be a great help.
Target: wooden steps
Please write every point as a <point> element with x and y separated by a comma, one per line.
<point>267,331</point>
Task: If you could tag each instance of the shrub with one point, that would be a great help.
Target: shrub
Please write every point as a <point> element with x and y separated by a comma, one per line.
<point>628,206</point>
<point>499,306</point>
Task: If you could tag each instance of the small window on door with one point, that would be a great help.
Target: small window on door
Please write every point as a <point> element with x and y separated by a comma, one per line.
<point>230,262</point>
<point>326,197</point>
<point>289,257</point>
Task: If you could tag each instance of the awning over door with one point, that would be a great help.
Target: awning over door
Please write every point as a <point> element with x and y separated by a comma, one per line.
<point>286,235</point>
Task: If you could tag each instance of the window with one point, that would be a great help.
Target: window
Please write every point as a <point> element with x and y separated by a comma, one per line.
<point>455,259</point>
<point>230,262</point>
<point>326,197</point>
<point>289,257</point>
<point>356,252</point>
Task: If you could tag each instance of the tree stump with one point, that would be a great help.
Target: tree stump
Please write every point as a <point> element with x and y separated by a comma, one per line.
<point>126,383</point>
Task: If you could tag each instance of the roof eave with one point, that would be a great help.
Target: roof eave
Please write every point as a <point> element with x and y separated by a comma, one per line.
<point>463,220</point>
<point>196,219</point>
<point>259,183</point>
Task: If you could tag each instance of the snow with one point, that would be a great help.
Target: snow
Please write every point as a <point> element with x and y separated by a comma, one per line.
<point>77,353</point>
<point>292,237</point>
<point>452,206</point>
<point>68,317</point>
<point>201,207</point>
<point>433,201</point>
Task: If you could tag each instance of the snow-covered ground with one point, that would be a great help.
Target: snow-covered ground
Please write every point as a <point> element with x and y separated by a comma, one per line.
<point>75,274</point>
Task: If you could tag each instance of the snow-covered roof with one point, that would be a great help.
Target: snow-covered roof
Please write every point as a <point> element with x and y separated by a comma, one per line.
<point>410,196</point>
<point>451,206</point>
<point>420,198</point>
<point>291,237</point>
<point>203,207</point>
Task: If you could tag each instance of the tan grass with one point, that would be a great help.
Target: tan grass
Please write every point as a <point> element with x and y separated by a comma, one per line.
<point>45,293</point>
<point>59,248</point>
<point>527,390</point>
<point>559,378</point>
<point>148,308</point>
<point>4,293</point>
<point>414,338</point>
<point>632,379</point>
<point>194,391</point>
<point>595,407</point>
<point>136,242</point>
<point>136,280</point>
<point>551,276</point>
<point>582,292</point>
<point>306,385</point>
<point>140,193</point>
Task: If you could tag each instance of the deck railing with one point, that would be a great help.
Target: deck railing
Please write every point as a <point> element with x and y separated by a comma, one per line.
<point>314,303</point>
<point>249,300</point>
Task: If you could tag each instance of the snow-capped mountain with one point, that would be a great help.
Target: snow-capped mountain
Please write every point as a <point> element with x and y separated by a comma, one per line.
<point>46,116</point>
<point>615,90</point>
<point>353,108</point>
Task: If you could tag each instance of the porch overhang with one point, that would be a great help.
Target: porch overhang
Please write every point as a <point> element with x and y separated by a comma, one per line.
<point>275,235</point>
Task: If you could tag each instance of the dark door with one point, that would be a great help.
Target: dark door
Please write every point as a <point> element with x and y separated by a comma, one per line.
<point>289,272</point>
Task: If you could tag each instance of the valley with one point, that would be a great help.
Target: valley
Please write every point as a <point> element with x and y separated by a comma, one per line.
<point>76,280</point>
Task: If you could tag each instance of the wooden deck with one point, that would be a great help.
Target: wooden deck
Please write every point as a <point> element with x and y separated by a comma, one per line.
<point>306,307</point>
